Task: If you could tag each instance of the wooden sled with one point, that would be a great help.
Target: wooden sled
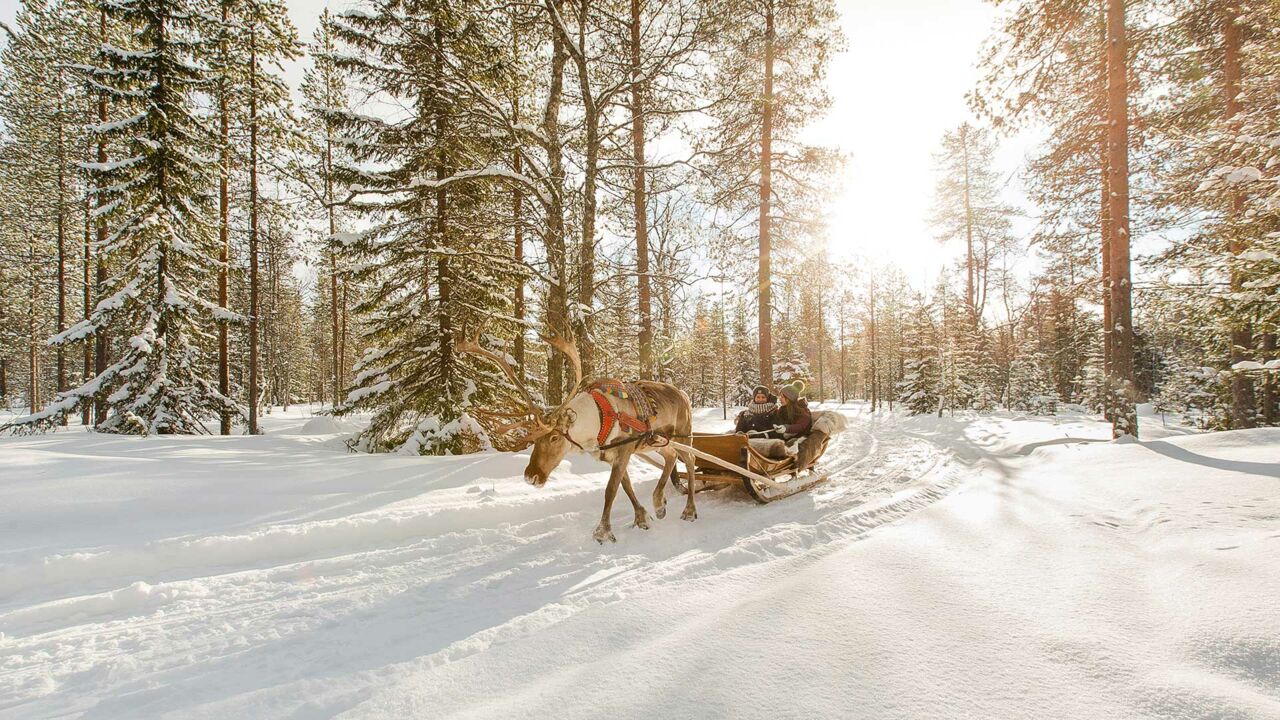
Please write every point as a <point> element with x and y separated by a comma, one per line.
<point>729,459</point>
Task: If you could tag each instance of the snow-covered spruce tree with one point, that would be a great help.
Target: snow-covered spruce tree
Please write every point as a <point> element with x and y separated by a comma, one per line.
<point>790,365</point>
<point>1030,387</point>
<point>156,200</point>
<point>43,101</point>
<point>432,260</point>
<point>744,373</point>
<point>1223,127</point>
<point>918,389</point>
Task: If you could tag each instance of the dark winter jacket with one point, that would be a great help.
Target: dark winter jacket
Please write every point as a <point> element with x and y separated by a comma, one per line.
<point>796,417</point>
<point>757,417</point>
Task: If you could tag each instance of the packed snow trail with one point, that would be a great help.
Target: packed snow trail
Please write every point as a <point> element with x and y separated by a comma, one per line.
<point>279,576</point>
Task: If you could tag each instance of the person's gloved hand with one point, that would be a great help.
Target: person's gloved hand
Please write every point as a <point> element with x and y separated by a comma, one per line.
<point>780,429</point>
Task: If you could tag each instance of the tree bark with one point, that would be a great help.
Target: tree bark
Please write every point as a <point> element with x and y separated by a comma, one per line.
<point>33,324</point>
<point>87,291</point>
<point>822,386</point>
<point>334,330</point>
<point>640,201</point>
<point>766,193</point>
<point>875,385</point>
<point>61,352</point>
<point>224,233</point>
<point>590,173</point>
<point>101,336</point>
<point>1104,216</point>
<point>1124,390</point>
<point>517,240</point>
<point>1269,395</point>
<point>253,231</point>
<point>843,374</point>
<point>556,318</point>
<point>970,298</point>
<point>442,205</point>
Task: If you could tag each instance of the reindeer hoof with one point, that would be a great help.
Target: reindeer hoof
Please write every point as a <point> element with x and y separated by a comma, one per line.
<point>661,511</point>
<point>689,514</point>
<point>603,533</point>
<point>642,521</point>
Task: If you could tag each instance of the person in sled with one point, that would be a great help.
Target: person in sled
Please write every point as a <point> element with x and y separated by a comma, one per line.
<point>758,417</point>
<point>792,419</point>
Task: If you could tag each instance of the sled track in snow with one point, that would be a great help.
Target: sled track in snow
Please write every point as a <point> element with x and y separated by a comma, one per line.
<point>415,579</point>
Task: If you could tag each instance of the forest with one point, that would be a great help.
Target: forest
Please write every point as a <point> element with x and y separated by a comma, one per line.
<point>187,241</point>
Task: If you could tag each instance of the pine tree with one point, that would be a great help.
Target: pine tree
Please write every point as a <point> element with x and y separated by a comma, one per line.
<point>968,208</point>
<point>157,202</point>
<point>918,389</point>
<point>768,83</point>
<point>432,256</point>
<point>324,91</point>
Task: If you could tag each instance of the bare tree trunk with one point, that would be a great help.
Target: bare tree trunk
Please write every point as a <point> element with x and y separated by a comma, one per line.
<point>557,294</point>
<point>843,372</point>
<point>101,336</point>
<point>1125,420</point>
<point>1242,403</point>
<point>442,205</point>
<point>224,234</point>
<point>822,336</point>
<point>33,328</point>
<point>766,196</point>
<point>517,221</point>
<point>970,299</point>
<point>517,224</point>
<point>342,334</point>
<point>86,280</point>
<point>1108,337</point>
<point>1269,398</point>
<point>590,171</point>
<point>334,332</point>
<point>875,384</point>
<point>253,232</point>
<point>60,352</point>
<point>640,200</point>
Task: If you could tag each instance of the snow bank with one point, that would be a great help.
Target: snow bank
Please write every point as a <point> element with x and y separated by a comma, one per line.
<point>325,425</point>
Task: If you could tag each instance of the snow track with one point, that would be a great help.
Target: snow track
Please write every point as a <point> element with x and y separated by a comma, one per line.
<point>279,576</point>
<point>119,621</point>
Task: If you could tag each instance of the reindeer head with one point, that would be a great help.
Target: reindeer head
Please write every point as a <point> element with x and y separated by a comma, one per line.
<point>552,443</point>
<point>550,433</point>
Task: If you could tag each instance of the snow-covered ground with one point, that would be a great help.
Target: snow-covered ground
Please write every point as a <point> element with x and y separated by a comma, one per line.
<point>1010,567</point>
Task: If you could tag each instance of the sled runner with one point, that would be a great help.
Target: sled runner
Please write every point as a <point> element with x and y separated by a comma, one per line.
<point>764,468</point>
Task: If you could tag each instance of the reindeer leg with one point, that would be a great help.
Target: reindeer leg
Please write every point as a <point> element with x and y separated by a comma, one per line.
<point>660,492</point>
<point>603,530</point>
<point>690,510</point>
<point>642,518</point>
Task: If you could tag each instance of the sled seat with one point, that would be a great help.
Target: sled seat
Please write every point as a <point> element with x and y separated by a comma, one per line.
<point>772,448</point>
<point>743,452</point>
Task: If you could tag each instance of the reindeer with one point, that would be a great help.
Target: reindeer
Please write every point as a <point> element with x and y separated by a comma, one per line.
<point>577,423</point>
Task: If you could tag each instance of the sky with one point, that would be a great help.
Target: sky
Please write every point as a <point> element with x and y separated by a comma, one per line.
<point>900,84</point>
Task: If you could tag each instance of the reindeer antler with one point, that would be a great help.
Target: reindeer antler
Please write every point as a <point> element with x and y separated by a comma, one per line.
<point>569,349</point>
<point>473,347</point>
